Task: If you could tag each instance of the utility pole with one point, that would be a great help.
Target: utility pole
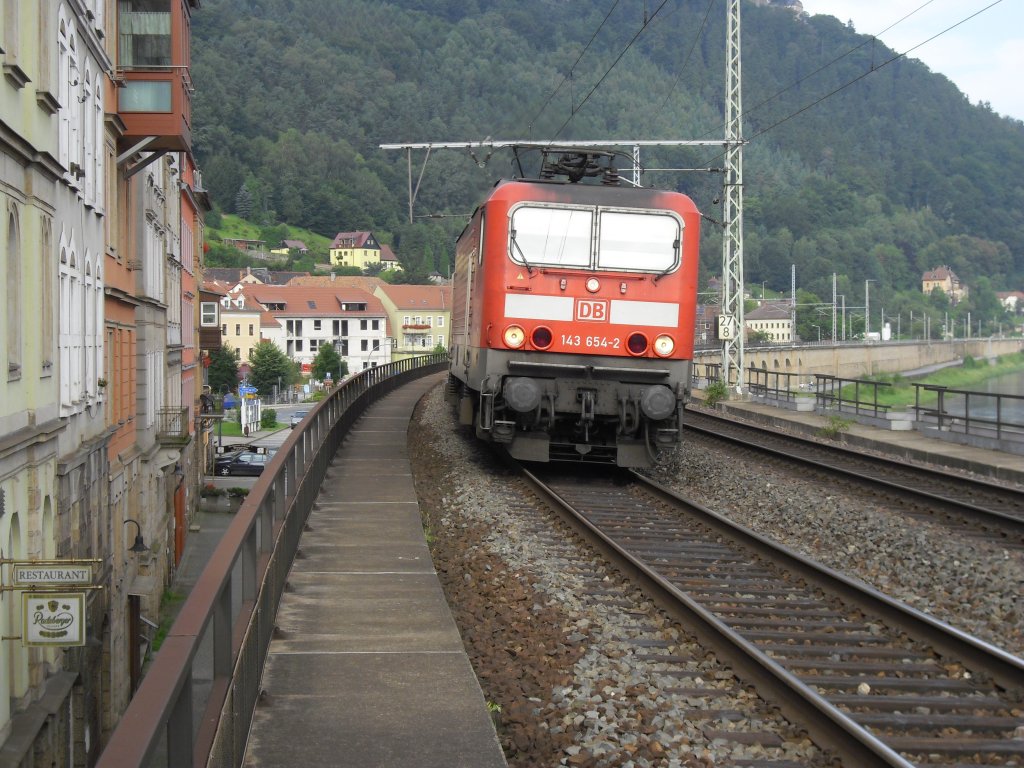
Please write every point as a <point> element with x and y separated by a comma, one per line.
<point>833,307</point>
<point>732,209</point>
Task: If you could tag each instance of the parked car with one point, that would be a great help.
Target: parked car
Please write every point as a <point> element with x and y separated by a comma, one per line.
<point>242,463</point>
<point>298,416</point>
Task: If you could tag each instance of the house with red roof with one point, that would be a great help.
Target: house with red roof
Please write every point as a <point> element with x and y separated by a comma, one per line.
<point>307,317</point>
<point>420,316</point>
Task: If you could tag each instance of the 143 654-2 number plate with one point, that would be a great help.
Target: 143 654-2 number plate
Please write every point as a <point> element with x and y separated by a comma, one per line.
<point>590,342</point>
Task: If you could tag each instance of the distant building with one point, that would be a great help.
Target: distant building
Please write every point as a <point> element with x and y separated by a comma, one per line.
<point>355,249</point>
<point>1012,300</point>
<point>946,280</point>
<point>773,320</point>
<point>420,316</point>
<point>307,317</point>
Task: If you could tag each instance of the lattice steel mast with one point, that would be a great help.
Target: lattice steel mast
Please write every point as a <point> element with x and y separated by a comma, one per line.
<point>731,322</point>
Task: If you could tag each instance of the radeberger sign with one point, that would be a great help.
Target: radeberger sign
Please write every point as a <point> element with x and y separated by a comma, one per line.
<point>52,618</point>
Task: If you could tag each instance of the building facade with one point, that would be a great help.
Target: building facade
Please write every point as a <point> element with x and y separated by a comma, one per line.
<point>102,227</point>
<point>420,316</point>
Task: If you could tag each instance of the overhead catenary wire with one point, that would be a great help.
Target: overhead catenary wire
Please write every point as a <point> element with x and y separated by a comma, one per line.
<point>872,69</point>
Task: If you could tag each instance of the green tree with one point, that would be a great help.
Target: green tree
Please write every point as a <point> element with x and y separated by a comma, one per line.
<point>269,367</point>
<point>327,361</point>
<point>222,375</point>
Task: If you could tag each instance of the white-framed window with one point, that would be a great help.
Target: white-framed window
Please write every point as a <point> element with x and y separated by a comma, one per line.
<point>440,321</point>
<point>208,313</point>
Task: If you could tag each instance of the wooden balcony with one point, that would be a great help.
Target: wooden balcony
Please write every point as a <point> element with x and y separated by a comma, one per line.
<point>154,94</point>
<point>156,104</point>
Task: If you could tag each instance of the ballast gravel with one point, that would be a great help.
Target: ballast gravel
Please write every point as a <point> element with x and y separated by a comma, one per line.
<point>557,657</point>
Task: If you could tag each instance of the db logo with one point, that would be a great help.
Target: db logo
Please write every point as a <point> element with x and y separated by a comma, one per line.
<point>590,309</point>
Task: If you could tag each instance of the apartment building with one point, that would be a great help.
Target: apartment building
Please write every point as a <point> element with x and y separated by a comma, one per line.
<point>102,230</point>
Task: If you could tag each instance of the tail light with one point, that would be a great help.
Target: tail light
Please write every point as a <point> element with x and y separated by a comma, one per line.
<point>636,343</point>
<point>541,337</point>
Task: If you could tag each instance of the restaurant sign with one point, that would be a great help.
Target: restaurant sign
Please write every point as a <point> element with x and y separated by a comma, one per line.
<point>28,574</point>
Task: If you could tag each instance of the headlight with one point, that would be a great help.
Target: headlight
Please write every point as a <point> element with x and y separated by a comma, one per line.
<point>593,284</point>
<point>664,346</point>
<point>514,337</point>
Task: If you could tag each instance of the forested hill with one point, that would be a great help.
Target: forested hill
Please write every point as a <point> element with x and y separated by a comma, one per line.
<point>857,163</point>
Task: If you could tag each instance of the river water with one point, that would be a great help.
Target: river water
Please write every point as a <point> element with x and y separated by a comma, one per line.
<point>1012,410</point>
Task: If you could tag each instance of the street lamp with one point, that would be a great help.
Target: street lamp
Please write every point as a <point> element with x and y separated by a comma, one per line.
<point>375,348</point>
<point>139,545</point>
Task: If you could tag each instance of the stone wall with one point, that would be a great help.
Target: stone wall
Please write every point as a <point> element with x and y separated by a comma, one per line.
<point>858,361</point>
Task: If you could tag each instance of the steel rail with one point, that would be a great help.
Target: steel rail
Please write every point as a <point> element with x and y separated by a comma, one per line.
<point>1004,523</point>
<point>829,726</point>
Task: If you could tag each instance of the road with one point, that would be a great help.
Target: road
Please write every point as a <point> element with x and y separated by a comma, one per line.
<point>272,440</point>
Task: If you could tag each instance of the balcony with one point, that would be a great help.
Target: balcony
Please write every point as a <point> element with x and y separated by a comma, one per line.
<point>417,328</point>
<point>154,95</point>
<point>172,426</point>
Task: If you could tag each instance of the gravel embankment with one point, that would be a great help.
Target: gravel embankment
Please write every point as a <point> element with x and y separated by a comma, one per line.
<point>551,632</point>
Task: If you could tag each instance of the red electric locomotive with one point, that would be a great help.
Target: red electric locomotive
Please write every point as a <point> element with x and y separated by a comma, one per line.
<point>572,315</point>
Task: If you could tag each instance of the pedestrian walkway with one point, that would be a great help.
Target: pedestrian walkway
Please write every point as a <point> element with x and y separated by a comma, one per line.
<point>367,667</point>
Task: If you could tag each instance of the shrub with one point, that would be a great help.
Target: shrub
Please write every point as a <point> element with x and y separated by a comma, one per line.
<point>238,493</point>
<point>717,392</point>
<point>836,426</point>
<point>268,418</point>
<point>210,490</point>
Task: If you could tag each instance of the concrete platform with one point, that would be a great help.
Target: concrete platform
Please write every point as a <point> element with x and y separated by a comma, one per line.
<point>367,667</point>
<point>911,445</point>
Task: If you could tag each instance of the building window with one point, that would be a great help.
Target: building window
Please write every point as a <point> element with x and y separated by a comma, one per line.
<point>238,354</point>
<point>375,325</point>
<point>224,329</point>
<point>208,313</point>
<point>145,33</point>
<point>298,345</point>
<point>238,329</point>
<point>364,345</point>
<point>316,325</point>
<point>314,345</point>
<point>440,321</point>
<point>362,325</point>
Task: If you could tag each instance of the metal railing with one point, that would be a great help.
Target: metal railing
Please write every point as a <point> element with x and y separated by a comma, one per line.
<point>834,392</point>
<point>776,385</point>
<point>196,702</point>
<point>172,425</point>
<point>953,411</point>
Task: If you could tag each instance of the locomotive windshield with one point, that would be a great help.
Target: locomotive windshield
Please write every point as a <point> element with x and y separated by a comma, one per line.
<point>558,237</point>
<point>638,241</point>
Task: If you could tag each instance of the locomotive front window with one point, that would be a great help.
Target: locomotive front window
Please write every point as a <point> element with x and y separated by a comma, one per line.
<point>551,237</point>
<point>644,242</point>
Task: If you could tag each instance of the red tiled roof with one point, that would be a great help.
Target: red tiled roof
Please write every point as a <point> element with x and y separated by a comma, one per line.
<point>307,301</point>
<point>412,297</point>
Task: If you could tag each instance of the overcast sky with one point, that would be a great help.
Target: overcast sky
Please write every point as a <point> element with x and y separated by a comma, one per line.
<point>983,55</point>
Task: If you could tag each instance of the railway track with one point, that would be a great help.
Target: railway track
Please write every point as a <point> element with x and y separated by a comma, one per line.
<point>968,505</point>
<point>873,680</point>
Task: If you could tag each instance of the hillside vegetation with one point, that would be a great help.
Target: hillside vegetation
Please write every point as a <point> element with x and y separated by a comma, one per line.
<point>890,172</point>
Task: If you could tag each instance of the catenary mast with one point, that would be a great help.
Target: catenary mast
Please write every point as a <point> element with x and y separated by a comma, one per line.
<point>731,320</point>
